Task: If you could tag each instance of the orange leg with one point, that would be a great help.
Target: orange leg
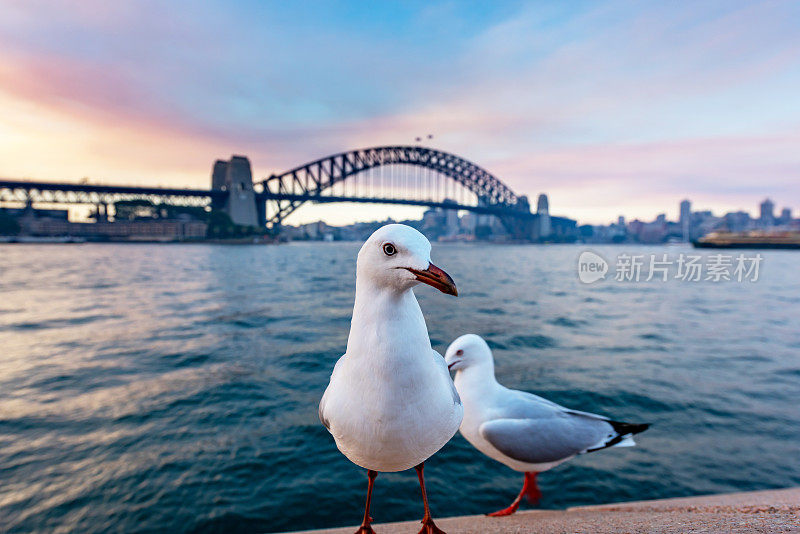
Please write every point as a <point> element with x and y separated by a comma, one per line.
<point>529,489</point>
<point>365,528</point>
<point>428,526</point>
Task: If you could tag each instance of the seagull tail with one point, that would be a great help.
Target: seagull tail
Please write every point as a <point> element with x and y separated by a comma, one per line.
<point>629,428</point>
<point>624,435</point>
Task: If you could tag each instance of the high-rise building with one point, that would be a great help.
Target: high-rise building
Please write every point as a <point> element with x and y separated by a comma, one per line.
<point>433,219</point>
<point>737,221</point>
<point>703,222</point>
<point>686,219</point>
<point>767,217</point>
<point>468,223</point>
<point>786,216</point>
<point>451,219</point>
<point>543,211</point>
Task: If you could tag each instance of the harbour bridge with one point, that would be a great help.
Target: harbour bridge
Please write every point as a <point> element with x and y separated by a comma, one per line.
<point>400,175</point>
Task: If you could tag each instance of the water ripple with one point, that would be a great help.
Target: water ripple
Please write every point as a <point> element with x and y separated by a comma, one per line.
<point>174,389</point>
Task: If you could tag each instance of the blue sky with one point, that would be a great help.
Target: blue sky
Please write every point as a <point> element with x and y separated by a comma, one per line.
<point>609,107</point>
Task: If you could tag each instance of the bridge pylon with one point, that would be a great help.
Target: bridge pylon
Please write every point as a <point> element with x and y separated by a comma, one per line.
<point>236,177</point>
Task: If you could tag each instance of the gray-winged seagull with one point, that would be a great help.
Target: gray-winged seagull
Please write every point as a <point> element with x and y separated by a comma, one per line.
<point>525,432</point>
<point>391,404</point>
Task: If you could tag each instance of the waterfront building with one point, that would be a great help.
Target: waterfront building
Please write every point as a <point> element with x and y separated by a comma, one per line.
<point>451,220</point>
<point>737,221</point>
<point>543,212</point>
<point>703,222</point>
<point>786,216</point>
<point>468,223</point>
<point>30,212</point>
<point>767,215</point>
<point>55,223</point>
<point>141,230</point>
<point>686,219</point>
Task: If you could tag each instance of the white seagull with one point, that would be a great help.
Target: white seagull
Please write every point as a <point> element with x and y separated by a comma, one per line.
<point>391,404</point>
<point>525,432</point>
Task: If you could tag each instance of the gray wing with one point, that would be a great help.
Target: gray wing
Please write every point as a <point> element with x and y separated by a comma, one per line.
<point>321,409</point>
<point>532,429</point>
<point>545,440</point>
<point>524,405</point>
<point>442,365</point>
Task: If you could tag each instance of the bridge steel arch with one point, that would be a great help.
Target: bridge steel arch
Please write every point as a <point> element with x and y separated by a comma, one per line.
<point>308,182</point>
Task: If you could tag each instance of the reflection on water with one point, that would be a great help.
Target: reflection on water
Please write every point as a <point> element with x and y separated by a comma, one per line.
<point>175,388</point>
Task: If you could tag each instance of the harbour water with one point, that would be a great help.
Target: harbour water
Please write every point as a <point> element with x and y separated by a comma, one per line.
<point>174,388</point>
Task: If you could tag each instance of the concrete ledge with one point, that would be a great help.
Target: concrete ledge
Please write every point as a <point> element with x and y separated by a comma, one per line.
<point>758,511</point>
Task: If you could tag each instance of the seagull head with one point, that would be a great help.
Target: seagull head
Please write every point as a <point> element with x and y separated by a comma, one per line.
<point>469,350</point>
<point>398,257</point>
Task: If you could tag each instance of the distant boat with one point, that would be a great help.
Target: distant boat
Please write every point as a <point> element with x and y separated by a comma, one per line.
<point>782,240</point>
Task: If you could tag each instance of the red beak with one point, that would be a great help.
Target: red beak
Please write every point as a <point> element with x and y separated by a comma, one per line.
<point>435,277</point>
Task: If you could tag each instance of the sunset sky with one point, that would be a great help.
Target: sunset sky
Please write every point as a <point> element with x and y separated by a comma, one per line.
<point>609,107</point>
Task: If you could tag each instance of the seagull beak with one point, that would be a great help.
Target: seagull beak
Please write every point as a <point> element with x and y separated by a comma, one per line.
<point>435,277</point>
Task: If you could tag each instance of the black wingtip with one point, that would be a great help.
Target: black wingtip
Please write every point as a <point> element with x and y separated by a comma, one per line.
<point>629,428</point>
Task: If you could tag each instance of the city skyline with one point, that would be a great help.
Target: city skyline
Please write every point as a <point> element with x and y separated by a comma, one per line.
<point>690,225</point>
<point>574,101</point>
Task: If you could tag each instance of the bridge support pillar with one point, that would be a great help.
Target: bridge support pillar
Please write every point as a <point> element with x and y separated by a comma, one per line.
<point>236,177</point>
<point>261,208</point>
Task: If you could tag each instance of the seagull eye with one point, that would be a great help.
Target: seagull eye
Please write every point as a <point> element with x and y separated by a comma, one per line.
<point>459,352</point>
<point>389,249</point>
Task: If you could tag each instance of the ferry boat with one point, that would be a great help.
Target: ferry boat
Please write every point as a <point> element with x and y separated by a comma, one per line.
<point>782,240</point>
